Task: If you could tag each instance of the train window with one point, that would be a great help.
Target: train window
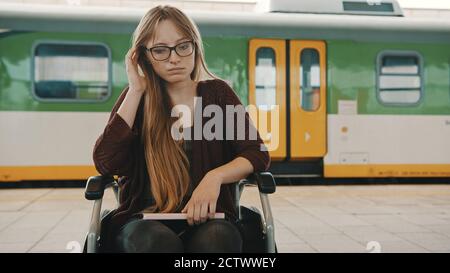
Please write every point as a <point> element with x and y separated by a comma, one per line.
<point>309,79</point>
<point>265,79</point>
<point>399,78</point>
<point>76,72</point>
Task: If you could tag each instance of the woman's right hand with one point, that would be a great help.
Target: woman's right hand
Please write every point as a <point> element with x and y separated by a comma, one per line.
<point>136,82</point>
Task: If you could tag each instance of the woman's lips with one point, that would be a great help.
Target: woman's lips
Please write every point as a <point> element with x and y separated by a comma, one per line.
<point>175,69</point>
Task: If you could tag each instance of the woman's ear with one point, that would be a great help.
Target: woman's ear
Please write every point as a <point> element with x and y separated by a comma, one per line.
<point>140,72</point>
<point>143,61</point>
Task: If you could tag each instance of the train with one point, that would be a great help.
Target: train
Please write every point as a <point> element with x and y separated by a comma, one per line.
<point>361,91</point>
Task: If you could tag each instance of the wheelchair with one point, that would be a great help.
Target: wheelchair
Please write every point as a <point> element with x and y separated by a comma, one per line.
<point>258,230</point>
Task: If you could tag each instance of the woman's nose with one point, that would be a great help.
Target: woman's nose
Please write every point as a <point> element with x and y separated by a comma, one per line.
<point>174,58</point>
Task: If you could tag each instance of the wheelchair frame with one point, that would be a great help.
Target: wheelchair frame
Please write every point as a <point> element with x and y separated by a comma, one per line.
<point>96,185</point>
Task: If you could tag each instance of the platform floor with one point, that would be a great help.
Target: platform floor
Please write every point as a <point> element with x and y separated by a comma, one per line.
<point>363,218</point>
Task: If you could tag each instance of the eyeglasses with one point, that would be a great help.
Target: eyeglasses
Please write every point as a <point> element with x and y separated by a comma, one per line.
<point>162,53</point>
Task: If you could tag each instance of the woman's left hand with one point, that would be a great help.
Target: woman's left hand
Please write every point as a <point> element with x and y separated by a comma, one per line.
<point>202,204</point>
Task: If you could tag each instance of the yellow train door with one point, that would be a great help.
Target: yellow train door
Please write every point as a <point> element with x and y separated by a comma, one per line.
<point>303,94</point>
<point>307,99</point>
<point>267,85</point>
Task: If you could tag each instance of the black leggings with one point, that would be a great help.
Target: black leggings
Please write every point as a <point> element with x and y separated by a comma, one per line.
<point>176,236</point>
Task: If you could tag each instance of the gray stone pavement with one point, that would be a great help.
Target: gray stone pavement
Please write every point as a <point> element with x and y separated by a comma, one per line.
<point>363,218</point>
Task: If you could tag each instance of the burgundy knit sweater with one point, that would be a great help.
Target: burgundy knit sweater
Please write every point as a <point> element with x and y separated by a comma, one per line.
<point>119,151</point>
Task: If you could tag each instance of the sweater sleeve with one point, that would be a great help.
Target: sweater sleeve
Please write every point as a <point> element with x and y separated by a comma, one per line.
<point>113,149</point>
<point>251,146</point>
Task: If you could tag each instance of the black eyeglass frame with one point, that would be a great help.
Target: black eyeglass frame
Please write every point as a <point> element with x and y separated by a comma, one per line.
<point>171,48</point>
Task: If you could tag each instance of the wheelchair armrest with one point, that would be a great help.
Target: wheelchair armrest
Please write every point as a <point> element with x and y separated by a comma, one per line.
<point>95,186</point>
<point>264,180</point>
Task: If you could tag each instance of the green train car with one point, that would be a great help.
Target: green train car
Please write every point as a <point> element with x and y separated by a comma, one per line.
<point>358,91</point>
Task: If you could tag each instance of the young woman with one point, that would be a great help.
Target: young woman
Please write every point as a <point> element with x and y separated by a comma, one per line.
<point>159,173</point>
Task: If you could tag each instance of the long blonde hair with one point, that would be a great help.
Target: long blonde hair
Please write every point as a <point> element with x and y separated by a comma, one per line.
<point>167,164</point>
